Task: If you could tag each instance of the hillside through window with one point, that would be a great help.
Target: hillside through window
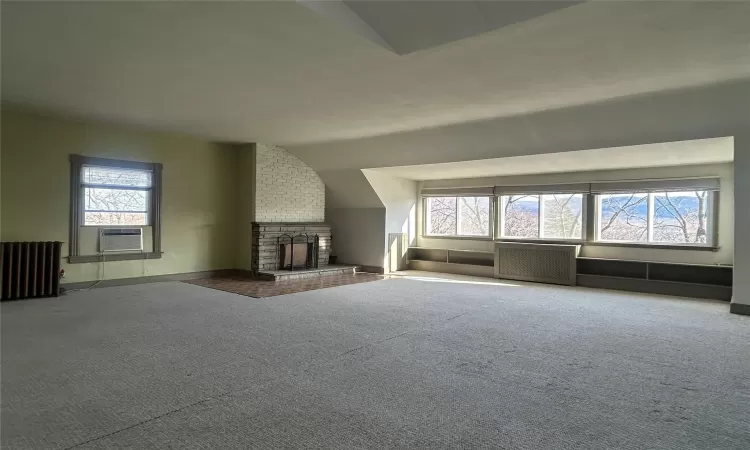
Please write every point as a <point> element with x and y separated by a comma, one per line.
<point>547,216</point>
<point>675,213</point>
<point>678,217</point>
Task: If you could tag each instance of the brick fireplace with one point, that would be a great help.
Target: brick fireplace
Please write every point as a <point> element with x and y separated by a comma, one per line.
<point>265,253</point>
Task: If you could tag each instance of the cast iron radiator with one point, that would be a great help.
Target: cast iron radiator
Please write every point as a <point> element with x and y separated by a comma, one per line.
<point>29,269</point>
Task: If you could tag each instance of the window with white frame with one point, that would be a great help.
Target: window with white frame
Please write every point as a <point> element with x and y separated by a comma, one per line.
<point>458,216</point>
<point>541,216</point>
<point>673,212</point>
<point>115,196</point>
<point>683,217</point>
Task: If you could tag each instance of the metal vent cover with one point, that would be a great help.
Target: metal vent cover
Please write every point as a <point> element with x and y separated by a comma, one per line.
<point>544,263</point>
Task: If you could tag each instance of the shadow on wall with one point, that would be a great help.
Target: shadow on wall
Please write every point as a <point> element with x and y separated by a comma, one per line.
<point>364,209</point>
<point>410,226</point>
<point>398,243</point>
<point>356,216</point>
<point>399,196</point>
<point>357,235</point>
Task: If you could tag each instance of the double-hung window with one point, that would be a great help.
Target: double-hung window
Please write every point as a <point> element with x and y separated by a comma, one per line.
<point>110,192</point>
<point>556,216</point>
<point>115,196</point>
<point>458,216</point>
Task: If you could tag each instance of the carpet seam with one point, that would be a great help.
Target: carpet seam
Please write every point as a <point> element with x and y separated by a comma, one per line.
<point>456,317</point>
<point>143,422</point>
<point>224,394</point>
<point>395,336</point>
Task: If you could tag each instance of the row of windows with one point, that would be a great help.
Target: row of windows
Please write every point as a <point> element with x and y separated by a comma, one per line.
<point>118,196</point>
<point>678,217</point>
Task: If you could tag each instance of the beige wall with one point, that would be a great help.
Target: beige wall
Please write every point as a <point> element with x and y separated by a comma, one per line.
<point>358,235</point>
<point>357,218</point>
<point>199,191</point>
<point>245,205</point>
<point>741,290</point>
<point>723,255</point>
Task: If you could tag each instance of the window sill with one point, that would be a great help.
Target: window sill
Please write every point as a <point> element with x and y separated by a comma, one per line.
<point>704,248</point>
<point>114,226</point>
<point>81,259</point>
<point>469,238</point>
<point>542,241</point>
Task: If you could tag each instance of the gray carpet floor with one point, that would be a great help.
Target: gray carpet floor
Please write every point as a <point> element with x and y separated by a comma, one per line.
<point>397,363</point>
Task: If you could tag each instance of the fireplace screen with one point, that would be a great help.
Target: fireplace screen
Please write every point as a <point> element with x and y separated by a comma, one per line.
<point>298,252</point>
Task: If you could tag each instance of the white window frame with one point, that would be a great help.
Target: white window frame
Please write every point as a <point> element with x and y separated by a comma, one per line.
<point>711,221</point>
<point>426,213</point>
<point>590,192</point>
<point>500,217</point>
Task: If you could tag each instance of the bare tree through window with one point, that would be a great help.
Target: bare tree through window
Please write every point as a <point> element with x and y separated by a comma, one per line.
<point>521,213</point>
<point>680,217</point>
<point>474,215</point>
<point>441,215</point>
<point>458,216</point>
<point>115,196</point>
<point>562,216</point>
<point>624,217</point>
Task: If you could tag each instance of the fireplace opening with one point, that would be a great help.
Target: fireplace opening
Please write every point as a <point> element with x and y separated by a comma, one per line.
<point>294,256</point>
<point>297,252</point>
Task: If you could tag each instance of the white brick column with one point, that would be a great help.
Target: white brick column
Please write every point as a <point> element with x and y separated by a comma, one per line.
<point>286,189</point>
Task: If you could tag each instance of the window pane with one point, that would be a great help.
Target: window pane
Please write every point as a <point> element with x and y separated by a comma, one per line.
<point>474,216</point>
<point>441,215</point>
<point>115,176</point>
<point>562,216</point>
<point>110,218</point>
<point>115,200</point>
<point>681,217</point>
<point>521,213</point>
<point>623,217</point>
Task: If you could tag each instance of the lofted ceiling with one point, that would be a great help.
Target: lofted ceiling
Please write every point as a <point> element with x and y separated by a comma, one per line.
<point>282,73</point>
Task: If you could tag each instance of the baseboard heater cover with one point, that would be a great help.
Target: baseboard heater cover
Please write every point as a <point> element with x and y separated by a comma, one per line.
<point>543,263</point>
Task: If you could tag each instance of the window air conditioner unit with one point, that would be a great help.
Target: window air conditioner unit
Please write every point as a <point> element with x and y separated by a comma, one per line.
<point>120,240</point>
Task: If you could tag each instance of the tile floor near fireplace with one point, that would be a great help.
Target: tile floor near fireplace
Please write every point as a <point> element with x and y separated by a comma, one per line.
<point>298,274</point>
<point>253,287</point>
